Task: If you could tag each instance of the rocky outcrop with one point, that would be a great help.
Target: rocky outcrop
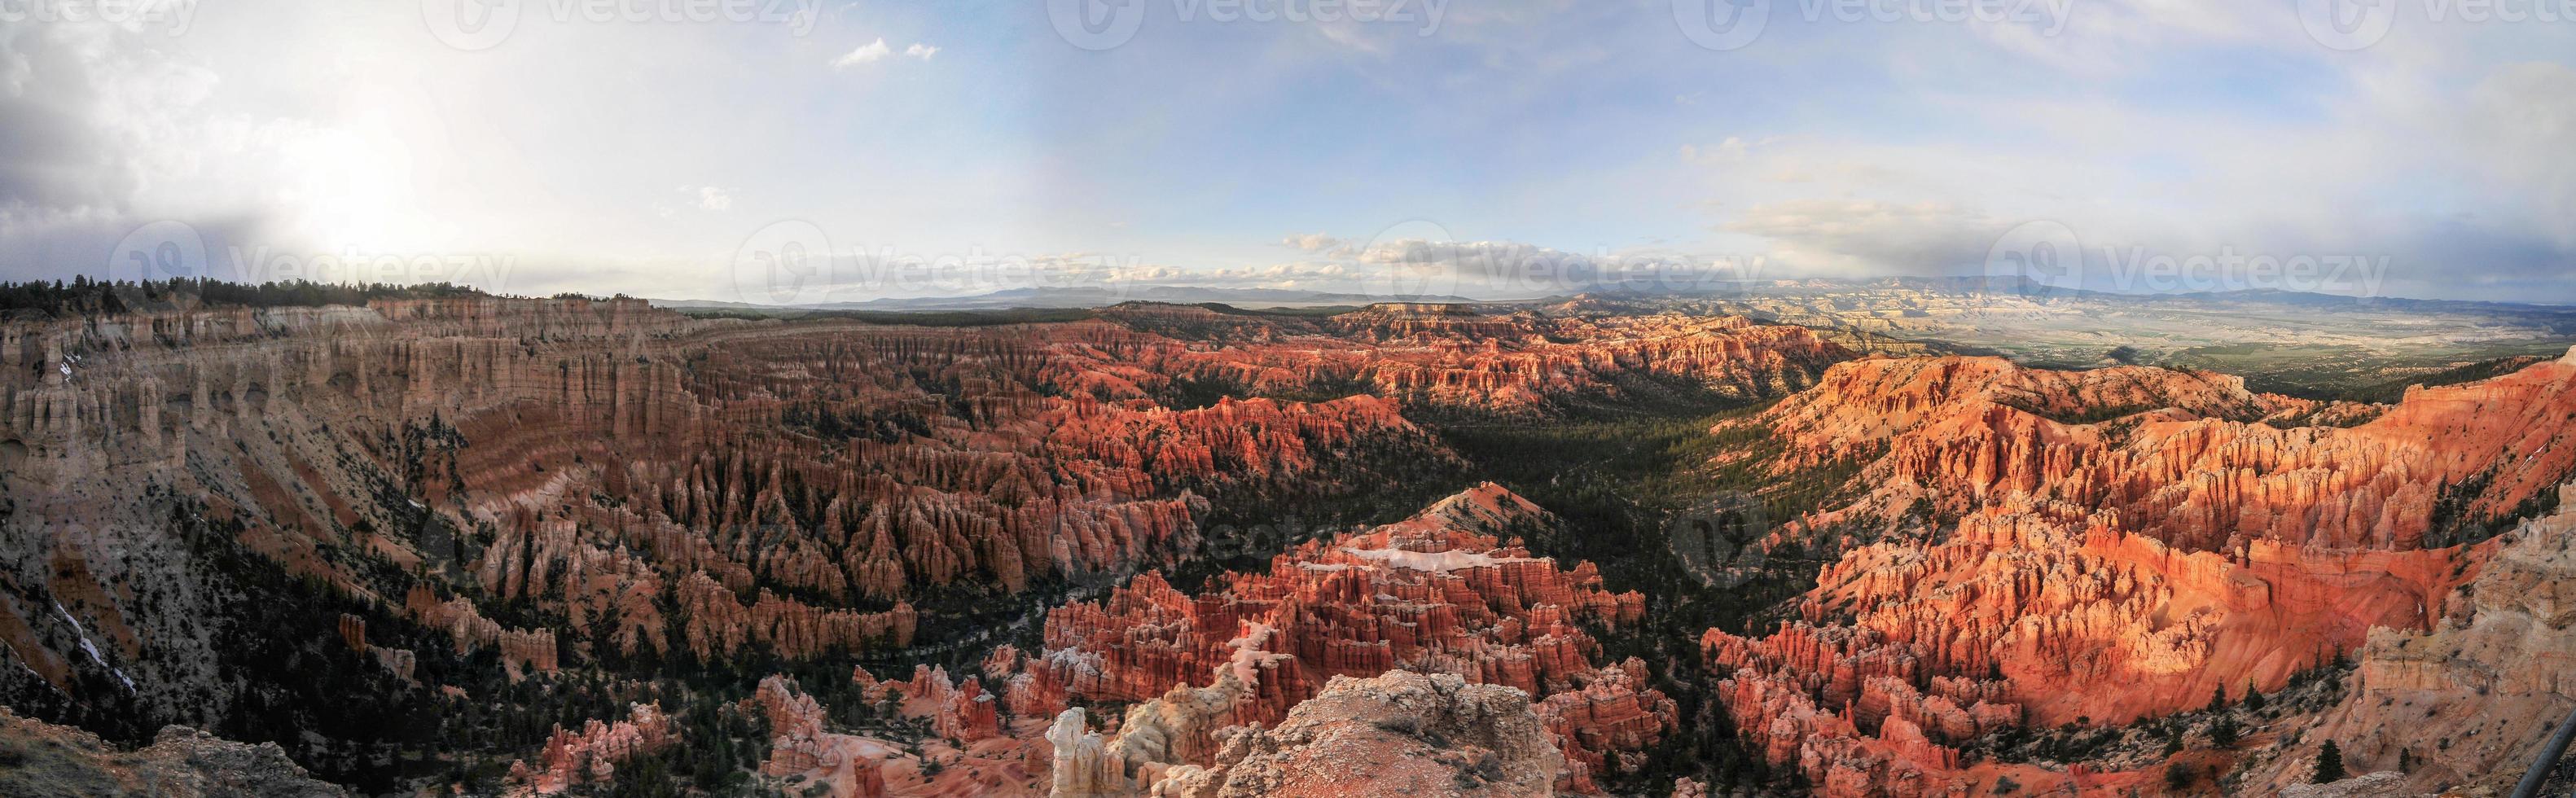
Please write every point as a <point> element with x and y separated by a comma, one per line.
<point>962,710</point>
<point>2467,701</point>
<point>1397,734</point>
<point>2386,782</point>
<point>521,650</point>
<point>1030,689</point>
<point>1612,714</point>
<point>1437,593</point>
<point>48,760</point>
<point>800,748</point>
<point>590,756</point>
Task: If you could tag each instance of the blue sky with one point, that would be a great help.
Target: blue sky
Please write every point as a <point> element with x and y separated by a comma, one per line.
<point>1499,149</point>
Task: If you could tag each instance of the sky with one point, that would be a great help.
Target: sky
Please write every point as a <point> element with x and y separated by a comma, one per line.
<point>797,151</point>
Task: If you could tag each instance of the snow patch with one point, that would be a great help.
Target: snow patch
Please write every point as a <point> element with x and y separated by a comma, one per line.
<point>1089,663</point>
<point>82,634</point>
<point>1436,561</point>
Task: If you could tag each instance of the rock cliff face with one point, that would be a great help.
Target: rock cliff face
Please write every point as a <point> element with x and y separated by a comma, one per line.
<point>846,766</point>
<point>49,760</point>
<point>1398,734</point>
<point>1437,593</point>
<point>2467,702</point>
<point>2177,453</point>
<point>2125,542</point>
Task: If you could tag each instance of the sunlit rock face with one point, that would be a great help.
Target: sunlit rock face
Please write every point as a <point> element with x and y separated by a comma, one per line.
<point>2181,455</point>
<point>2126,542</point>
<point>1437,593</point>
<point>2470,700</point>
<point>1396,734</point>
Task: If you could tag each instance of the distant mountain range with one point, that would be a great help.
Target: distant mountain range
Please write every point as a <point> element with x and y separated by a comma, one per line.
<point>1098,297</point>
<point>1087,297</point>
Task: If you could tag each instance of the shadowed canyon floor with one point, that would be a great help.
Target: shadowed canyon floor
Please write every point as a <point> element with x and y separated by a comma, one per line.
<point>594,547</point>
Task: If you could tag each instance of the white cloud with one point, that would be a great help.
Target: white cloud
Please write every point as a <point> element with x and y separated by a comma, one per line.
<point>2519,128</point>
<point>1848,237</point>
<point>711,198</point>
<point>876,51</point>
<point>869,53</point>
<point>1311,242</point>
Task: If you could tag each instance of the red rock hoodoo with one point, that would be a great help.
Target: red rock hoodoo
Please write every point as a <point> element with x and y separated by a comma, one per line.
<point>2127,541</point>
<point>1437,593</point>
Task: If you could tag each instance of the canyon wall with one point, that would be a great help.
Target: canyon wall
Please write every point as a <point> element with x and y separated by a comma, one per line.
<point>2468,700</point>
<point>554,485</point>
<point>2118,544</point>
<point>790,487</point>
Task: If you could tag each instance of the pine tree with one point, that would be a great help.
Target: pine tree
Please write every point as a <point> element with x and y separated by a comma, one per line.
<point>2222,733</point>
<point>2179,776</point>
<point>2253,697</point>
<point>2218,698</point>
<point>2329,764</point>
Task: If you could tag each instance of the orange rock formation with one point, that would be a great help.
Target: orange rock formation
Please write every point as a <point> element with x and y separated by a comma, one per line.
<point>590,756</point>
<point>2126,542</point>
<point>1438,593</point>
